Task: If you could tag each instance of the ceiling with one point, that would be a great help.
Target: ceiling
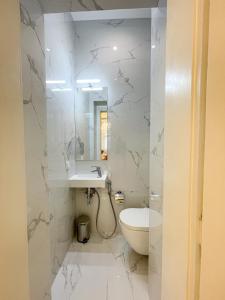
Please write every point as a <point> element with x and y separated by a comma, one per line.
<point>138,13</point>
<point>59,6</point>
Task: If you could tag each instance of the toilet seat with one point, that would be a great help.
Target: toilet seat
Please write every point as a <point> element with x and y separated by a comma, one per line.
<point>140,219</point>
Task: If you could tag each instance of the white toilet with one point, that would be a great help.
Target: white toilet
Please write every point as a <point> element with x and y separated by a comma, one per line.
<point>136,224</point>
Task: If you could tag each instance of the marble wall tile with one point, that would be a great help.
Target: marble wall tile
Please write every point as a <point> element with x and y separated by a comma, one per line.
<point>39,217</point>
<point>126,74</point>
<point>59,42</point>
<point>58,6</point>
<point>61,229</point>
<point>157,105</point>
<point>49,144</point>
<point>158,31</point>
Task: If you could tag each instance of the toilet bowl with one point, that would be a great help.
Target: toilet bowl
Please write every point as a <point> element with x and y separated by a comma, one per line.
<point>137,224</point>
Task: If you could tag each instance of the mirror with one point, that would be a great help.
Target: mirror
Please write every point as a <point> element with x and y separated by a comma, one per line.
<point>91,120</point>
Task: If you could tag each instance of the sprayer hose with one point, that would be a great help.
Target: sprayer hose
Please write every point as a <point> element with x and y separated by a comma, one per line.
<point>113,210</point>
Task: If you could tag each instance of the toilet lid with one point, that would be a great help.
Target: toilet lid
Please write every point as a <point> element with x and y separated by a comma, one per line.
<point>140,218</point>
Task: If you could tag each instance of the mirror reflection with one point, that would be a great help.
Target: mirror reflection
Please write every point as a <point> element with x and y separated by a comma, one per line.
<point>91,117</point>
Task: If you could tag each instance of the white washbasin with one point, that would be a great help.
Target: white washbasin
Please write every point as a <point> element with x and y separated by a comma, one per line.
<point>88,180</point>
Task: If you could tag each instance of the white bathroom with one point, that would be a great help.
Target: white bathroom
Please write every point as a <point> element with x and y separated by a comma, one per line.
<point>93,98</point>
<point>112,150</point>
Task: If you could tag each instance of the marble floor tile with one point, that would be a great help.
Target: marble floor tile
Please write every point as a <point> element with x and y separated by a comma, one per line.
<point>102,270</point>
<point>155,286</point>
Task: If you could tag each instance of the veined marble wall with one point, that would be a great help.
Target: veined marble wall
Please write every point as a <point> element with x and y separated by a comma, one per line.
<point>158,33</point>
<point>50,204</point>
<point>53,6</point>
<point>39,217</point>
<point>59,42</point>
<point>126,74</point>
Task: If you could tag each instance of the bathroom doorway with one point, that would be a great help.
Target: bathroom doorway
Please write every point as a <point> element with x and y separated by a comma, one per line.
<point>179,117</point>
<point>104,74</point>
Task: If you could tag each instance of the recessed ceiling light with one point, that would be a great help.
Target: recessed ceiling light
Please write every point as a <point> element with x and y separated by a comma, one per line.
<point>88,80</point>
<point>153,46</point>
<point>115,48</point>
<point>62,90</point>
<point>90,89</point>
<point>55,81</point>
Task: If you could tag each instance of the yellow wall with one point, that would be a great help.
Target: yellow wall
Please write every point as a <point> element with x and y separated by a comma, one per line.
<point>213,234</point>
<point>13,239</point>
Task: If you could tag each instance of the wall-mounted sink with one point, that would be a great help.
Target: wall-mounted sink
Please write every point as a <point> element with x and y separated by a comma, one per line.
<point>88,180</point>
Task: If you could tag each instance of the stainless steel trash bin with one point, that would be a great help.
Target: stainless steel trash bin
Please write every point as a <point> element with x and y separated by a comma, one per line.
<point>83,229</point>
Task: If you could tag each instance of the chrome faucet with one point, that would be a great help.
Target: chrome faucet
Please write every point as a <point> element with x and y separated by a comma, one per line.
<point>98,170</point>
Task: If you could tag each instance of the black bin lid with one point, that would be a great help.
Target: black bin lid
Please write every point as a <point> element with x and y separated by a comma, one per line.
<point>83,220</point>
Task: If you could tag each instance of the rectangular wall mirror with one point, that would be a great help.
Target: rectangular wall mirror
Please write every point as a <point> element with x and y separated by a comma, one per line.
<point>91,120</point>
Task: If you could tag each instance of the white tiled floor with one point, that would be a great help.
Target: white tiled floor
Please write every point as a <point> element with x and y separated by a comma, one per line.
<point>102,270</point>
